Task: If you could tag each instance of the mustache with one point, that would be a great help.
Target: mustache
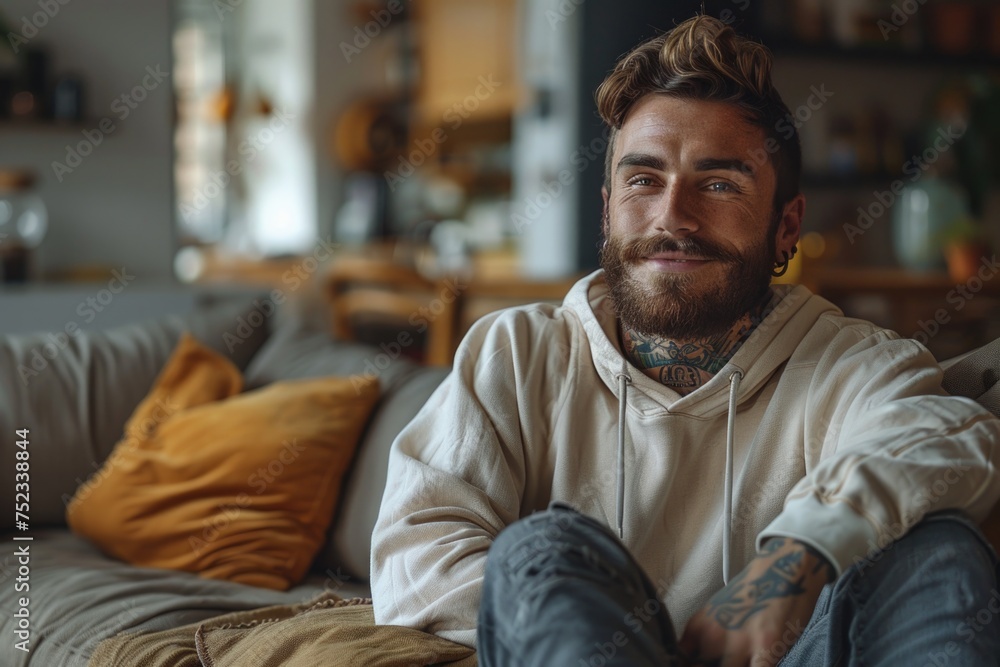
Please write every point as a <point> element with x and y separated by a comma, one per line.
<point>633,251</point>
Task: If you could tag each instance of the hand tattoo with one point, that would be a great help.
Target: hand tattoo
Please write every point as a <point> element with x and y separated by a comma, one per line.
<point>744,597</point>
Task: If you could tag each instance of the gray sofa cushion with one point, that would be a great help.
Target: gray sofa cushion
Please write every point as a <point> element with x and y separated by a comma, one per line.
<point>80,597</point>
<point>297,350</point>
<point>976,375</point>
<point>75,393</point>
<point>349,544</point>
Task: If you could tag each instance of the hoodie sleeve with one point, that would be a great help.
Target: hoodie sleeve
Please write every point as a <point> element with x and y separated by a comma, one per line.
<point>884,445</point>
<point>455,480</point>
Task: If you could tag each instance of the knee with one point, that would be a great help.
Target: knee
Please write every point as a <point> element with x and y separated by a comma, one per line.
<point>954,542</point>
<point>945,546</point>
<point>535,534</point>
<point>549,539</point>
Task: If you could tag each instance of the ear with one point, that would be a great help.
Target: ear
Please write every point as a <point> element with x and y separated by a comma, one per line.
<point>605,216</point>
<point>789,227</point>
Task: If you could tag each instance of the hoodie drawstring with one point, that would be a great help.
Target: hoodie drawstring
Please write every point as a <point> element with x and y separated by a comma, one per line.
<point>624,380</point>
<point>727,521</point>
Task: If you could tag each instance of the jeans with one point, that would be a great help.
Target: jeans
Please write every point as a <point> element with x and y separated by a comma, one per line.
<point>561,590</point>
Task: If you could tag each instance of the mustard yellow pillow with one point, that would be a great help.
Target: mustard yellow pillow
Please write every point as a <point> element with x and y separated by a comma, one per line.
<point>231,486</point>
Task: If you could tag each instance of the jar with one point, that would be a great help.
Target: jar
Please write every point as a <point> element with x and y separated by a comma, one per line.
<point>23,221</point>
<point>920,216</point>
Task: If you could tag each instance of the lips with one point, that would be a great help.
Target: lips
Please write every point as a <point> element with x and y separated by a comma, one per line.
<point>675,262</point>
<point>677,257</point>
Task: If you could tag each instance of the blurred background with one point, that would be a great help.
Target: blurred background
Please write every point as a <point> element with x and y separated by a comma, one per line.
<point>452,148</point>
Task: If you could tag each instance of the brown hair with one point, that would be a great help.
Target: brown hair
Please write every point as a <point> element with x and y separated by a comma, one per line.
<point>703,58</point>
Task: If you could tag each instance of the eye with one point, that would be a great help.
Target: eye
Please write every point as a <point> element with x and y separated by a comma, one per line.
<point>640,181</point>
<point>722,187</point>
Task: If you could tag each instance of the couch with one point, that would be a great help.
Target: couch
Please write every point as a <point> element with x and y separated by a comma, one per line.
<point>74,394</point>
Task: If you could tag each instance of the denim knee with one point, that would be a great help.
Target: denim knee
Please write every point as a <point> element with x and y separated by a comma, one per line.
<point>550,540</point>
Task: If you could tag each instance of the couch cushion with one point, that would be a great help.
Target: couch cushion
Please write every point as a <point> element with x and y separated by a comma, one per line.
<point>231,486</point>
<point>349,546</point>
<point>299,350</point>
<point>80,597</point>
<point>74,393</point>
<point>976,375</point>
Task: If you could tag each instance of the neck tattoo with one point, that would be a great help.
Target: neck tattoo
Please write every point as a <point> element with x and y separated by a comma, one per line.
<point>685,365</point>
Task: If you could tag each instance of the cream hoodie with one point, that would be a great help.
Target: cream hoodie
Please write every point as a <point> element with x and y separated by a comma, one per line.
<point>841,437</point>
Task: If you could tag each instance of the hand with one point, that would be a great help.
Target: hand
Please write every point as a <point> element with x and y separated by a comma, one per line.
<point>760,614</point>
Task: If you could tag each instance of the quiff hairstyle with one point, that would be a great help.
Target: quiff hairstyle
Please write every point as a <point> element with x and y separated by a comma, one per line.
<point>704,59</point>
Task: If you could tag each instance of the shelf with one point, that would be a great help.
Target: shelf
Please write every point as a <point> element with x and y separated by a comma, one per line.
<point>875,54</point>
<point>832,181</point>
<point>888,281</point>
<point>46,125</point>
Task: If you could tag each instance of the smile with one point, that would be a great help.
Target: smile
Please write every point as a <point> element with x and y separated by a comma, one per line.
<point>675,264</point>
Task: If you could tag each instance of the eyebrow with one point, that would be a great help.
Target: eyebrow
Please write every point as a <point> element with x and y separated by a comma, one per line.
<point>706,164</point>
<point>640,160</point>
<point>728,164</point>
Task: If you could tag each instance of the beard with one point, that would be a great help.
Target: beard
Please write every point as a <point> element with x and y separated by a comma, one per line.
<point>686,305</point>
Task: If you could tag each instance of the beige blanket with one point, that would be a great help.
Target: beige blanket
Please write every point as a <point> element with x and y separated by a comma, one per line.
<point>325,631</point>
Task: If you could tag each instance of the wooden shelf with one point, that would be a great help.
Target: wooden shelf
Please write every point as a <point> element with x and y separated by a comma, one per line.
<point>887,281</point>
<point>48,125</point>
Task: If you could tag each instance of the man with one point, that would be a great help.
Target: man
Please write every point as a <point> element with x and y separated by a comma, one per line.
<point>725,460</point>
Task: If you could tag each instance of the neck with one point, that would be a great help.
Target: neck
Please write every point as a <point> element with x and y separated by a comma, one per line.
<point>686,364</point>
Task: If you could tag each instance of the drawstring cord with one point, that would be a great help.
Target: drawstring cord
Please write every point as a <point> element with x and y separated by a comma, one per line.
<point>624,380</point>
<point>727,522</point>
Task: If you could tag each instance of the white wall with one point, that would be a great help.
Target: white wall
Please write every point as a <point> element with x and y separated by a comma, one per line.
<point>115,207</point>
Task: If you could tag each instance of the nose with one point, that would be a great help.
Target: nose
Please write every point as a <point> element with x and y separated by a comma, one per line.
<point>674,214</point>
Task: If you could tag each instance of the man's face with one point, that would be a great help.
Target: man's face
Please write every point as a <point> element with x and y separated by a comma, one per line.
<point>691,228</point>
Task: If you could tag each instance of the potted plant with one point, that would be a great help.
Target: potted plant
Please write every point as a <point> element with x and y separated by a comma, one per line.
<point>965,244</point>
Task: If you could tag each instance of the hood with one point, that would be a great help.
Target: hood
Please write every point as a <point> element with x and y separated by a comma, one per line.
<point>768,347</point>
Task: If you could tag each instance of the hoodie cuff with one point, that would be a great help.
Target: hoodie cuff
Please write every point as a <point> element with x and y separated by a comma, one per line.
<point>835,530</point>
